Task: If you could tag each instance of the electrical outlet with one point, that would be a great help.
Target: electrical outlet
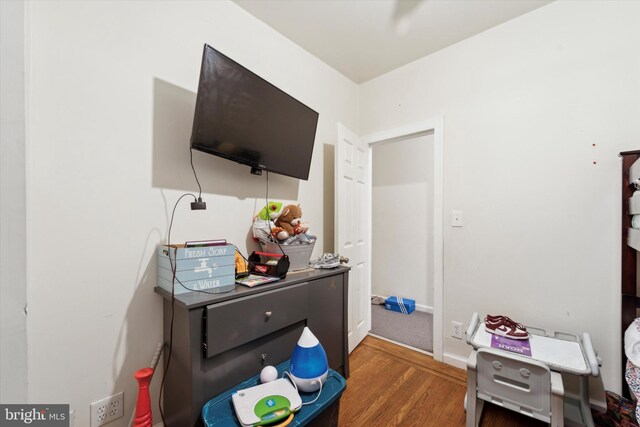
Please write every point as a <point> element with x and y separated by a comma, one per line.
<point>108,409</point>
<point>456,330</point>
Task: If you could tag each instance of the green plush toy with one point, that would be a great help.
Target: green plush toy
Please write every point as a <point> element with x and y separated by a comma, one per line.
<point>274,210</point>
<point>263,225</point>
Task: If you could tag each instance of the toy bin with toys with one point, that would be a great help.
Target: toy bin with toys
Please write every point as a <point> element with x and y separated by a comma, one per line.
<point>299,255</point>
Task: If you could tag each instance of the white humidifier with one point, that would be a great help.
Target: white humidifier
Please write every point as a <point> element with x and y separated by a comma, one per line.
<point>309,367</point>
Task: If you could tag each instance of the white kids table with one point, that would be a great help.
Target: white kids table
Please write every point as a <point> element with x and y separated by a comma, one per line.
<point>561,352</point>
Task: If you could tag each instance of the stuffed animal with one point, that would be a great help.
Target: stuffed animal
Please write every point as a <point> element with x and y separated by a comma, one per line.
<point>241,265</point>
<point>279,233</point>
<point>271,211</point>
<point>290,220</point>
<point>263,225</point>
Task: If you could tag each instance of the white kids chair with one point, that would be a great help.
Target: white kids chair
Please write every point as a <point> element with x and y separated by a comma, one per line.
<point>515,382</point>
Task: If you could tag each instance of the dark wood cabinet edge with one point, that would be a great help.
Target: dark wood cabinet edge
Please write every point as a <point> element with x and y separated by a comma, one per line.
<point>628,272</point>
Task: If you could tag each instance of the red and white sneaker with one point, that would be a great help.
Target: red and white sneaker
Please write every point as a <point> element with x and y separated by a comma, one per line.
<point>500,318</point>
<point>505,327</point>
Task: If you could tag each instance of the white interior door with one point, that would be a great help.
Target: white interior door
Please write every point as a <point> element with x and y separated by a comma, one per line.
<point>353,205</point>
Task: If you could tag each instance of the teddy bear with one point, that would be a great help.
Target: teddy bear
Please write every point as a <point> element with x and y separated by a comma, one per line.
<point>290,221</point>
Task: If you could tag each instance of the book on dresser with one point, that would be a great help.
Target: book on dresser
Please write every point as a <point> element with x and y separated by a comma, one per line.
<point>255,280</point>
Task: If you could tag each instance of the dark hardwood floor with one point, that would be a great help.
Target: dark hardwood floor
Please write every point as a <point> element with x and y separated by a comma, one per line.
<point>391,385</point>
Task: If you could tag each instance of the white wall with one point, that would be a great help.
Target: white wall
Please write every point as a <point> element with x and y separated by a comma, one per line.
<point>111,95</point>
<point>112,92</point>
<point>402,219</point>
<point>13,261</point>
<point>536,111</point>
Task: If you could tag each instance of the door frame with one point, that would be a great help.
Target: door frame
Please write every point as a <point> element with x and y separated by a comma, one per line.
<point>435,125</point>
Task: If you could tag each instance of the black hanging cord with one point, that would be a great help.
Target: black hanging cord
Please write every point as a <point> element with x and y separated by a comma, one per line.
<point>198,204</point>
<point>195,174</point>
<point>266,201</point>
<point>173,302</point>
<point>173,298</point>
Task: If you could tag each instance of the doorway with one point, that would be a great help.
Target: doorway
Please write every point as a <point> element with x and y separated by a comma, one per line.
<point>402,242</point>
<point>353,220</point>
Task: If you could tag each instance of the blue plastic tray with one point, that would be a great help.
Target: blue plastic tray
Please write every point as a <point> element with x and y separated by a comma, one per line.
<point>219,410</point>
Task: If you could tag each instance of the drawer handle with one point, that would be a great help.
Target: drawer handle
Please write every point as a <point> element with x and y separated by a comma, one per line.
<point>268,314</point>
<point>264,356</point>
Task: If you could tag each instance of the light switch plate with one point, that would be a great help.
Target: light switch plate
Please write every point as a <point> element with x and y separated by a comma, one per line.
<point>456,219</point>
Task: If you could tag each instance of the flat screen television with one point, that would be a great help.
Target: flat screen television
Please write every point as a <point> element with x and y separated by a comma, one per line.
<point>244,118</point>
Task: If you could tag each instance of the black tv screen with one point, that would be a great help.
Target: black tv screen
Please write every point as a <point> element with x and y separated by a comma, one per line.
<point>242,117</point>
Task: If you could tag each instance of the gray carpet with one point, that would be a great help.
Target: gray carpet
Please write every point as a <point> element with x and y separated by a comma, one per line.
<point>415,329</point>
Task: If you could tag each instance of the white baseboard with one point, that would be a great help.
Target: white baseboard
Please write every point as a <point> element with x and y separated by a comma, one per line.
<point>598,405</point>
<point>424,308</point>
<point>455,360</point>
<point>401,344</point>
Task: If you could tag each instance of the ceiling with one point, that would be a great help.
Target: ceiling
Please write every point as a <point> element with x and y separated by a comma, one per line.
<point>363,39</point>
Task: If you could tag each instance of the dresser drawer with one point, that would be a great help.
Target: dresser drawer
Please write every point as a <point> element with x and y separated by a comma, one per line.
<point>236,322</point>
<point>227,369</point>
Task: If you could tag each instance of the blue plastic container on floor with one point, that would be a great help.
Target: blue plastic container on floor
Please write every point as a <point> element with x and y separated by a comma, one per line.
<point>399,304</point>
<point>219,410</point>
